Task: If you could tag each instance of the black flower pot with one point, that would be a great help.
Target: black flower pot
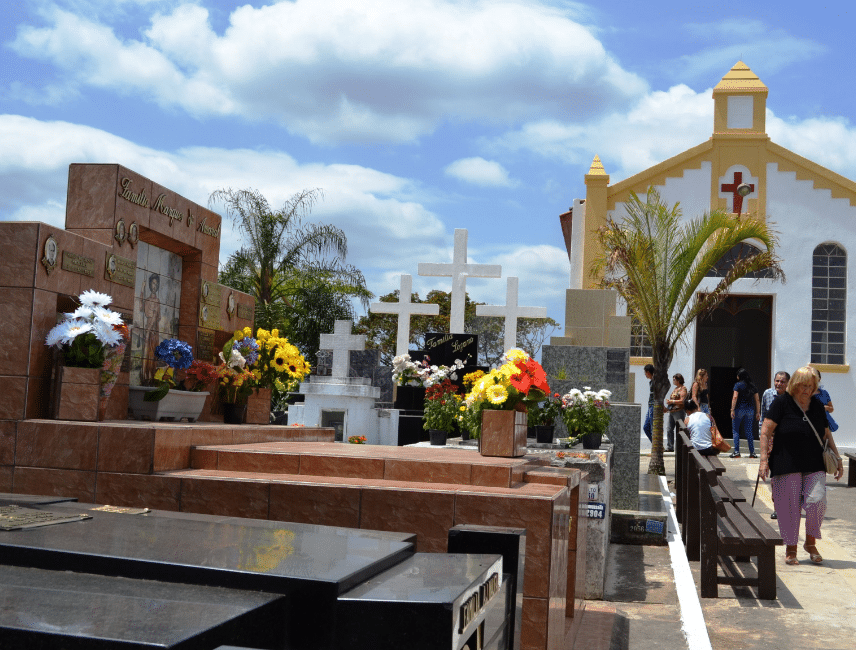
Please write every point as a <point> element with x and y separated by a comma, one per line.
<point>465,434</point>
<point>592,440</point>
<point>544,433</point>
<point>437,437</point>
<point>530,432</point>
<point>234,413</point>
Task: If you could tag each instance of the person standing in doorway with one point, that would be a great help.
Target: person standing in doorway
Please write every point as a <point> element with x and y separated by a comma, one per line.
<point>745,407</point>
<point>700,392</point>
<point>649,417</point>
<point>675,404</point>
<point>780,383</point>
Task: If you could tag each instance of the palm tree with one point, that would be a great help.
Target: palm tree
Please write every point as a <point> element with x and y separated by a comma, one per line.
<point>287,265</point>
<point>656,263</point>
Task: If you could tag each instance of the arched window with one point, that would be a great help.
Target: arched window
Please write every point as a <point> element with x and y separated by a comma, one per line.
<point>727,261</point>
<point>828,303</point>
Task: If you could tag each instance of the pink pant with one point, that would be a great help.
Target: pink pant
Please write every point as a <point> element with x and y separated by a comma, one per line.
<point>790,492</point>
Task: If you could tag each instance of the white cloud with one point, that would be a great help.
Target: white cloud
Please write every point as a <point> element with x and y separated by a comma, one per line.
<point>380,70</point>
<point>478,171</point>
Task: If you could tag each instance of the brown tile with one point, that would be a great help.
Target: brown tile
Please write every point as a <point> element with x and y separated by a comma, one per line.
<point>559,563</point>
<point>15,330</point>
<point>138,491</point>
<point>172,448</point>
<point>210,246</point>
<point>91,198</point>
<point>117,404</point>
<point>429,515</point>
<point>222,435</point>
<point>6,472</point>
<point>78,394</point>
<point>534,514</point>
<point>7,442</point>
<point>315,504</point>
<point>427,471</point>
<point>231,461</point>
<point>99,252</point>
<point>318,465</point>
<point>14,402</point>
<point>43,320</point>
<point>164,203</point>
<point>491,476</point>
<point>503,434</point>
<point>55,482</point>
<point>201,458</point>
<point>20,254</point>
<point>125,449</point>
<point>533,631</point>
<point>127,210</point>
<point>60,445</point>
<point>229,498</point>
<point>59,280</point>
<point>38,398</point>
<point>101,235</point>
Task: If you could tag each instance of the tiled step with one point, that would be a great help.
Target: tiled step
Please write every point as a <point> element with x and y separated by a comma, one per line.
<point>364,462</point>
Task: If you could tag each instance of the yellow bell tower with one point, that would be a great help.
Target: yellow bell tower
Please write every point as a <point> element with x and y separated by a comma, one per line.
<point>740,103</point>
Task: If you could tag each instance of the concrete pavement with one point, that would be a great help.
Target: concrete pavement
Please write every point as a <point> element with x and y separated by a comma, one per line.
<point>816,605</point>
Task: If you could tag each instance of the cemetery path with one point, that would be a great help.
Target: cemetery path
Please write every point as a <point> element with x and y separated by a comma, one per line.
<point>815,608</point>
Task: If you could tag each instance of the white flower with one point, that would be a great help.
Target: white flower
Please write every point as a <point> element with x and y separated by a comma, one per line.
<point>236,360</point>
<point>82,312</point>
<point>73,329</point>
<point>90,298</point>
<point>106,316</point>
<point>106,334</point>
<point>57,334</point>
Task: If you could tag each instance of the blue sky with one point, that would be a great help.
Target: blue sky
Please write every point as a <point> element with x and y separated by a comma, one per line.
<point>415,117</point>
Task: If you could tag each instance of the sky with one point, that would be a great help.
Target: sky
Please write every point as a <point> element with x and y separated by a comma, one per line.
<point>415,117</point>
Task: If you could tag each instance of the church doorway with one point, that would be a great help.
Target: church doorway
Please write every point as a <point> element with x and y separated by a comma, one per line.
<point>738,334</point>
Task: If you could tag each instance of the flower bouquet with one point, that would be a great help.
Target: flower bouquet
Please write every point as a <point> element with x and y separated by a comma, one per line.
<point>442,406</point>
<point>177,355</point>
<point>88,333</point>
<point>357,440</point>
<point>280,365</point>
<point>586,412</point>
<point>406,372</point>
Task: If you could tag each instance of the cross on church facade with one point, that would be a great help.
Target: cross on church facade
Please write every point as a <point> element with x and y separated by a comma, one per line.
<point>404,309</point>
<point>341,341</point>
<point>511,312</point>
<point>737,200</point>
<point>459,270</point>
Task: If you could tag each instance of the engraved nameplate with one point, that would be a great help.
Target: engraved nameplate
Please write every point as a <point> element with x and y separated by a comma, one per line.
<point>120,270</point>
<point>15,517</point>
<point>211,293</point>
<point>245,312</point>
<point>205,346</point>
<point>78,264</point>
<point>121,510</point>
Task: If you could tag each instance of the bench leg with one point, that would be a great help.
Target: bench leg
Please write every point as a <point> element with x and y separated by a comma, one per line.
<point>691,525</point>
<point>767,573</point>
<point>708,546</point>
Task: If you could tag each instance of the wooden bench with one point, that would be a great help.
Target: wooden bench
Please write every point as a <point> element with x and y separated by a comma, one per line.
<point>851,473</point>
<point>732,529</point>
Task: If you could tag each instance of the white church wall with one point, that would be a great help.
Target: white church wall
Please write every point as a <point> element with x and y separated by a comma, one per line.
<point>577,243</point>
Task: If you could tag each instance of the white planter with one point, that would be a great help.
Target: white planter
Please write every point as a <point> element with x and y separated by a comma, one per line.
<point>176,405</point>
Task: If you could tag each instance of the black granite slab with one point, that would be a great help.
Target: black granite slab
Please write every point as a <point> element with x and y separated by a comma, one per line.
<point>510,543</point>
<point>58,609</point>
<point>421,604</point>
<point>315,563</point>
<point>9,499</point>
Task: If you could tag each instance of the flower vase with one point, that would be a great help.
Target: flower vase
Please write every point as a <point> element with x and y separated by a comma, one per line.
<point>258,407</point>
<point>544,433</point>
<point>109,375</point>
<point>503,434</point>
<point>175,406</point>
<point>592,440</point>
<point>437,437</point>
<point>234,413</point>
<point>76,394</point>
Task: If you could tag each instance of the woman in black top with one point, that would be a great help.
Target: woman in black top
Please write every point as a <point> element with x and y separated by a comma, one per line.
<point>700,392</point>
<point>792,456</point>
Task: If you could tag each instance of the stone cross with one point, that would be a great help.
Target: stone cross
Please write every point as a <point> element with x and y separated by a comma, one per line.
<point>341,341</point>
<point>404,309</point>
<point>459,270</point>
<point>511,312</point>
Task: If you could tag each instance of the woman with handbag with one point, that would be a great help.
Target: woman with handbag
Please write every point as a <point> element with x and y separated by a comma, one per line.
<point>701,429</point>
<point>700,392</point>
<point>675,406</point>
<point>792,454</point>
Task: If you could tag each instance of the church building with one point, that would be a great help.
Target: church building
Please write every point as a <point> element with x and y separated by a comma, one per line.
<point>763,325</point>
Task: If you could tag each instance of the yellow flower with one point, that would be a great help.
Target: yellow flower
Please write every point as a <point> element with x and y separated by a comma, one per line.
<point>463,408</point>
<point>238,335</point>
<point>280,361</point>
<point>274,333</point>
<point>248,331</point>
<point>497,394</point>
<point>516,354</point>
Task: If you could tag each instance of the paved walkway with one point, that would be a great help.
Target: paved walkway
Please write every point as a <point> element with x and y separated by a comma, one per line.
<point>816,605</point>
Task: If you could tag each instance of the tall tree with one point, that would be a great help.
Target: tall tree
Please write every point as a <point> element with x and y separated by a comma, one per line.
<point>657,262</point>
<point>296,271</point>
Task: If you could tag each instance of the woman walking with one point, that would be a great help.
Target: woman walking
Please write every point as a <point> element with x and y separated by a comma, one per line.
<point>700,392</point>
<point>675,405</point>
<point>795,462</point>
<point>745,408</point>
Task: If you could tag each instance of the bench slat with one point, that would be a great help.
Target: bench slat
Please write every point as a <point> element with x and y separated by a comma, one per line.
<point>730,488</point>
<point>704,465</point>
<point>767,532</point>
<point>745,529</point>
<point>717,465</point>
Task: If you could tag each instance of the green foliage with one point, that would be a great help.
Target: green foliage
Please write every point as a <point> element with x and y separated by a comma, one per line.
<point>657,263</point>
<point>296,271</point>
<point>442,407</point>
<point>85,351</point>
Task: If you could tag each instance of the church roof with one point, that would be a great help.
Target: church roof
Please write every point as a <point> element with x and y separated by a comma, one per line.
<point>596,168</point>
<point>740,79</point>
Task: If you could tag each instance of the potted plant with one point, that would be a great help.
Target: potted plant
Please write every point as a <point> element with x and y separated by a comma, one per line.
<point>91,340</point>
<point>357,440</point>
<point>586,415</point>
<point>170,397</point>
<point>412,378</point>
<point>499,400</point>
<point>442,409</point>
<point>542,417</point>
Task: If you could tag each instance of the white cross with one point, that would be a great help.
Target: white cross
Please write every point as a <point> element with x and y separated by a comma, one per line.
<point>511,312</point>
<point>459,270</point>
<point>341,341</point>
<point>404,309</point>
